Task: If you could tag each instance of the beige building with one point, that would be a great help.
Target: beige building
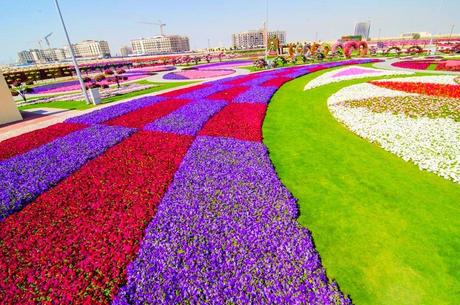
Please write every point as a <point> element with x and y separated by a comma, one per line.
<point>126,51</point>
<point>255,38</point>
<point>160,44</point>
<point>89,49</point>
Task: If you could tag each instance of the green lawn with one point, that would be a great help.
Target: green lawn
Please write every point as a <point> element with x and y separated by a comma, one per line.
<point>387,232</point>
<point>81,105</point>
<point>432,67</point>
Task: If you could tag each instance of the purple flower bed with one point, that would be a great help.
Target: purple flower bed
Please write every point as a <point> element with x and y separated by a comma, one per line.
<point>174,76</point>
<point>188,119</point>
<point>198,74</point>
<point>256,94</point>
<point>24,177</point>
<point>114,111</point>
<point>226,233</point>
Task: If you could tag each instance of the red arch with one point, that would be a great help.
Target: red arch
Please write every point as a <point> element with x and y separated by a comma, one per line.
<point>415,49</point>
<point>397,49</point>
<point>363,48</point>
<point>349,47</point>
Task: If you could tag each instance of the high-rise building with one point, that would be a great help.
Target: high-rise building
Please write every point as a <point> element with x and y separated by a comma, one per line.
<point>255,38</point>
<point>363,29</point>
<point>160,44</point>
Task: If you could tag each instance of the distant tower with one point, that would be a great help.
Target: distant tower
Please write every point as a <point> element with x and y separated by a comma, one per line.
<point>363,29</point>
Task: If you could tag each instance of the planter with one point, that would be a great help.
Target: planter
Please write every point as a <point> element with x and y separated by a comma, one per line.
<point>95,96</point>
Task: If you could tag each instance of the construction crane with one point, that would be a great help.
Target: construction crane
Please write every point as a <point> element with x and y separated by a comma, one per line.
<point>47,40</point>
<point>160,23</point>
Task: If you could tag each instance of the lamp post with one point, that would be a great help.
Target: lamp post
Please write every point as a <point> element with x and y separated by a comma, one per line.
<point>72,53</point>
<point>266,32</point>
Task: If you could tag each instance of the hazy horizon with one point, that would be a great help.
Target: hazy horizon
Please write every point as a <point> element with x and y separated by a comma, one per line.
<point>24,22</point>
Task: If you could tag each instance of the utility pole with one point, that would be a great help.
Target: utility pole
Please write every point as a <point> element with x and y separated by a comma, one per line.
<point>75,63</point>
<point>451,31</point>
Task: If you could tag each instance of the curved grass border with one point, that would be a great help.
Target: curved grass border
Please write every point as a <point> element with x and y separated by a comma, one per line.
<point>386,231</point>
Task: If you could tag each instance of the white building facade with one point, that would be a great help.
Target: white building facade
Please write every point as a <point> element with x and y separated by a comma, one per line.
<point>160,44</point>
<point>255,38</point>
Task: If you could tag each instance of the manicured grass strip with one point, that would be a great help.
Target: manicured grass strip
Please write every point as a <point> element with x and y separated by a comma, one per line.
<point>81,105</point>
<point>432,67</point>
<point>189,119</point>
<point>239,120</point>
<point>24,177</point>
<point>139,118</point>
<point>72,245</point>
<point>25,142</point>
<point>386,231</point>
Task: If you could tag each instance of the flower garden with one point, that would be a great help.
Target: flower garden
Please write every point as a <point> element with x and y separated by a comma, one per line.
<point>185,197</point>
<point>211,70</point>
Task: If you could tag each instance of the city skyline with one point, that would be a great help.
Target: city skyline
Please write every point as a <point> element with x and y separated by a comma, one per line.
<point>120,21</point>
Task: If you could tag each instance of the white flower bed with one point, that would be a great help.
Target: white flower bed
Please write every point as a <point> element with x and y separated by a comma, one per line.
<point>349,73</point>
<point>432,79</point>
<point>432,144</point>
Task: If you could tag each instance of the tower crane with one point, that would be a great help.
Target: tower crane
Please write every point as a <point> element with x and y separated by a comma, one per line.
<point>47,40</point>
<point>159,23</point>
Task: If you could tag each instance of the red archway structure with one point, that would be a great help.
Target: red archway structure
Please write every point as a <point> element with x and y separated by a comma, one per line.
<point>414,49</point>
<point>349,47</point>
<point>397,49</point>
<point>363,48</point>
<point>336,47</point>
<point>456,48</point>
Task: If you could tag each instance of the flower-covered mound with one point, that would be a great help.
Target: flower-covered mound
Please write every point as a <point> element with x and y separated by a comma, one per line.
<point>79,206</point>
<point>420,129</point>
<point>226,210</point>
<point>349,73</point>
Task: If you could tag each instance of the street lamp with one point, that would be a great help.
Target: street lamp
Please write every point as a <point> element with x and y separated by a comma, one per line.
<point>266,32</point>
<point>72,53</point>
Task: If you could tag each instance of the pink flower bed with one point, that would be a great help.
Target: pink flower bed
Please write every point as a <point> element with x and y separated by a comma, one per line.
<point>198,74</point>
<point>354,71</point>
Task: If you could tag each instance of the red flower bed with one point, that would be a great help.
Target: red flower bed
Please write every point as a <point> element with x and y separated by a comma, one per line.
<point>143,116</point>
<point>72,245</point>
<point>442,90</point>
<point>228,94</point>
<point>451,65</point>
<point>25,142</point>
<point>276,82</point>
<point>178,92</point>
<point>240,120</point>
<point>417,65</point>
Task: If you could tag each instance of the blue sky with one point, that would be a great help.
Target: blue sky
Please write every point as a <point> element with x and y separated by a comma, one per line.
<point>23,22</point>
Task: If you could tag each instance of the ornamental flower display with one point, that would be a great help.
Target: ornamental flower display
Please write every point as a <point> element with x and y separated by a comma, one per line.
<point>417,128</point>
<point>349,73</point>
<point>161,199</point>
